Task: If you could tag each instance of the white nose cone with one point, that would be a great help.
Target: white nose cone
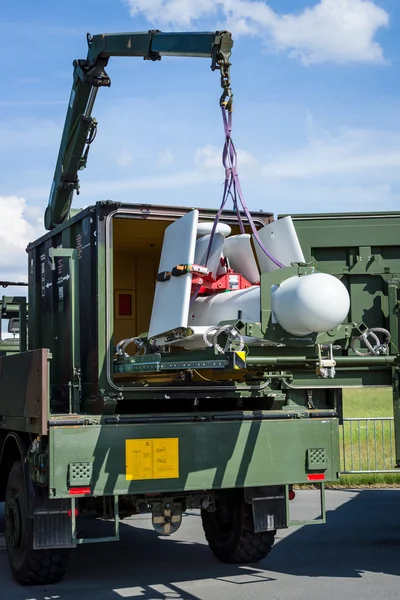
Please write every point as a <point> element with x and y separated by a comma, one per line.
<point>312,303</point>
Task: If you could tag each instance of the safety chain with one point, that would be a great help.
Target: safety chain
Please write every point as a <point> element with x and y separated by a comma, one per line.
<point>226,99</point>
<point>221,55</point>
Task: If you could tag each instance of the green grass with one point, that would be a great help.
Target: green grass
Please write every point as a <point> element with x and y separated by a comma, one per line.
<point>367,402</point>
<point>367,480</point>
<point>366,453</point>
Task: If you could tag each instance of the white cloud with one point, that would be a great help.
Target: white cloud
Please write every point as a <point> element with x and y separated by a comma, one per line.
<point>330,171</point>
<point>116,188</point>
<point>348,170</point>
<point>209,158</point>
<point>321,169</point>
<point>23,133</point>
<point>333,30</point>
<point>124,159</point>
<point>30,103</point>
<point>19,225</point>
<point>350,153</point>
<point>344,170</point>
<point>205,168</point>
<point>165,158</point>
<point>294,197</point>
<point>340,31</point>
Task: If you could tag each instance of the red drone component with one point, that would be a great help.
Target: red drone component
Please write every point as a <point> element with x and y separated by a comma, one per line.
<point>230,281</point>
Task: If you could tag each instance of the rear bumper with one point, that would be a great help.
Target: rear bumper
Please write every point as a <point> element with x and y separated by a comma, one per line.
<point>116,458</point>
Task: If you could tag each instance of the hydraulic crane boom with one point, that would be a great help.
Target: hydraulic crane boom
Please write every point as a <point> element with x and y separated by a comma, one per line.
<point>89,75</point>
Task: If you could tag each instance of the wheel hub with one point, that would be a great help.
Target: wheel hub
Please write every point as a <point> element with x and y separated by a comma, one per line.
<point>13,522</point>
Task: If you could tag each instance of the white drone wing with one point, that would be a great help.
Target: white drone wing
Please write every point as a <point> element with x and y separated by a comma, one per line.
<point>172,298</point>
<point>239,252</point>
<point>214,260</point>
<point>281,241</point>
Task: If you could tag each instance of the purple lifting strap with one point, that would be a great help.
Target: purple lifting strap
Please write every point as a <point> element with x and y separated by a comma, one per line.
<point>233,189</point>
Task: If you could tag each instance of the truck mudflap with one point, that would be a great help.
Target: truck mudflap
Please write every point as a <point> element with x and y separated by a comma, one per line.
<point>52,523</point>
<point>139,458</point>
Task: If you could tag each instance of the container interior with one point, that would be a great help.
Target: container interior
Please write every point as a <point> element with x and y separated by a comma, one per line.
<point>137,245</point>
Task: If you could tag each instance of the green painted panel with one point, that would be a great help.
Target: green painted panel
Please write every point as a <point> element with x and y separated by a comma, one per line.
<point>349,232</point>
<point>211,455</point>
<point>364,251</point>
<point>357,244</point>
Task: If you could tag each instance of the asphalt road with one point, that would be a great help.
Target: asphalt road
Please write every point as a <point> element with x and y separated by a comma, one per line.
<point>354,557</point>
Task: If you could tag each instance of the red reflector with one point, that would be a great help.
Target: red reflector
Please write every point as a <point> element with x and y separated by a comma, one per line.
<point>316,476</point>
<point>70,512</point>
<point>77,491</point>
<point>292,495</point>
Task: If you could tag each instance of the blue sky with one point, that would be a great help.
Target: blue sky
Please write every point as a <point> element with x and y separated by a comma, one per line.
<point>316,122</point>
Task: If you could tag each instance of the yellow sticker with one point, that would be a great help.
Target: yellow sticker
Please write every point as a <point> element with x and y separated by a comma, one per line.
<point>154,458</point>
<point>240,360</point>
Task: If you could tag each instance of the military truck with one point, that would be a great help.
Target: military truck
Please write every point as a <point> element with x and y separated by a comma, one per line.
<point>224,418</point>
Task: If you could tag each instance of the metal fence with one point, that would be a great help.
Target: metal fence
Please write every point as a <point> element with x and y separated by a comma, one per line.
<point>368,445</point>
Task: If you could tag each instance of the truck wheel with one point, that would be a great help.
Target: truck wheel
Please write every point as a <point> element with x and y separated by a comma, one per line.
<point>29,566</point>
<point>230,531</point>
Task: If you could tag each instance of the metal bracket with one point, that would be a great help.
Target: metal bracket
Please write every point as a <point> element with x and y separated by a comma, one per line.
<point>158,362</point>
<point>222,49</point>
<point>151,55</point>
<point>79,540</point>
<point>319,521</point>
<point>326,366</point>
<point>94,75</point>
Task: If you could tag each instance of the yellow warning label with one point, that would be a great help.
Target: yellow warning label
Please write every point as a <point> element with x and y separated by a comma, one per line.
<point>155,458</point>
<point>240,360</point>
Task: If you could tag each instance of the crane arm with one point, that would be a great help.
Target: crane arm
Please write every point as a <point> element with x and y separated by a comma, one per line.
<point>90,75</point>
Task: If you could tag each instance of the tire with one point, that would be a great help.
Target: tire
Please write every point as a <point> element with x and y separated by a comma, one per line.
<point>29,566</point>
<point>230,532</point>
